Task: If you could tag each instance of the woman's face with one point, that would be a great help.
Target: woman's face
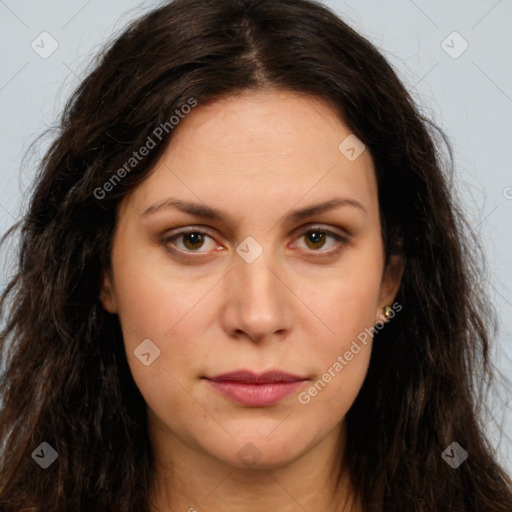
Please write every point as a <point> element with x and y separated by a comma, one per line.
<point>221,260</point>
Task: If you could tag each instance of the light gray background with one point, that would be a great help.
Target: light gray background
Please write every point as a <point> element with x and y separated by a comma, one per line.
<point>470,97</point>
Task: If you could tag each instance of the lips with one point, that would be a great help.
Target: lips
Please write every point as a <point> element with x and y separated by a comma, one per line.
<point>253,390</point>
<point>252,378</point>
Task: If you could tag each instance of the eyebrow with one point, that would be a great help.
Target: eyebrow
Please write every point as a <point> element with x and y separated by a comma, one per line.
<point>208,212</point>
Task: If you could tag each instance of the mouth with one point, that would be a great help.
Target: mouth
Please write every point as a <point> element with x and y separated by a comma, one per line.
<point>253,390</point>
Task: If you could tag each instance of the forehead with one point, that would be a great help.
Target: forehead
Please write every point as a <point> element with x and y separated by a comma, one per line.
<point>272,149</point>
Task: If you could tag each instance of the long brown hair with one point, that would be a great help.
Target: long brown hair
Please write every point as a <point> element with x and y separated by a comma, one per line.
<point>66,379</point>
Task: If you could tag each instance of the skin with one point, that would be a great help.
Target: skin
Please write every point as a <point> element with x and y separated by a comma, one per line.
<point>256,156</point>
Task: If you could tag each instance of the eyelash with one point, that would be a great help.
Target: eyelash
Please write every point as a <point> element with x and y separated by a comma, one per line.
<point>342,241</point>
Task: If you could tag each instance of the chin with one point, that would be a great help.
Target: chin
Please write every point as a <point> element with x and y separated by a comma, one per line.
<point>261,451</point>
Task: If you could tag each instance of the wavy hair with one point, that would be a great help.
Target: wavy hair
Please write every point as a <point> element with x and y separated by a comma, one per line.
<point>66,379</point>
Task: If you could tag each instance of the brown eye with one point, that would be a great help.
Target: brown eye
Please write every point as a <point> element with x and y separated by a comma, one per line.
<point>189,242</point>
<point>317,238</point>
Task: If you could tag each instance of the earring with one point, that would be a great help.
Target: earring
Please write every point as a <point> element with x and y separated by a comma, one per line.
<point>388,312</point>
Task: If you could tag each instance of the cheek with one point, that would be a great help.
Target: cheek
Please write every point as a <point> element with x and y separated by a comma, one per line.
<point>152,301</point>
<point>347,309</point>
<point>341,359</point>
<point>152,306</point>
<point>346,303</point>
<point>151,312</point>
<point>169,315</point>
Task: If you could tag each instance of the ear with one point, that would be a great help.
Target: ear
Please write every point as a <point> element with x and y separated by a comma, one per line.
<point>107,297</point>
<point>390,284</point>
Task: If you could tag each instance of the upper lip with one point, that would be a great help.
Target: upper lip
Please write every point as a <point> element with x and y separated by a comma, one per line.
<point>250,377</point>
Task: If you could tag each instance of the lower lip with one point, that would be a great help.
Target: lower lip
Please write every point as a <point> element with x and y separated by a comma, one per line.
<point>256,395</point>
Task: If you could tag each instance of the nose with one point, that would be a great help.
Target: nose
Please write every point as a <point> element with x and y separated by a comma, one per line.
<point>258,301</point>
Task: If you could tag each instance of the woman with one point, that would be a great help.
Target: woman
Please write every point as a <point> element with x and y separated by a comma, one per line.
<point>243,284</point>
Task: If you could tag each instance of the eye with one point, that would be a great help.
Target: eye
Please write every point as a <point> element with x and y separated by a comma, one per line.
<point>192,241</point>
<point>315,238</point>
